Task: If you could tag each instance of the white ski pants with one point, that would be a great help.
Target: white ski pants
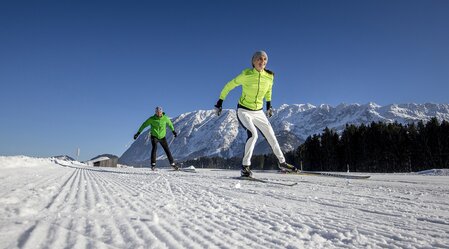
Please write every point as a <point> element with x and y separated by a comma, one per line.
<point>251,121</point>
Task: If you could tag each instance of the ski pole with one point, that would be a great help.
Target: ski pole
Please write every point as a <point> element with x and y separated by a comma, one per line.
<point>172,139</point>
<point>126,146</point>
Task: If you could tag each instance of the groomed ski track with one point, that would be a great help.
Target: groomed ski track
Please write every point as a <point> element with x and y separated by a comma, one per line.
<point>84,207</point>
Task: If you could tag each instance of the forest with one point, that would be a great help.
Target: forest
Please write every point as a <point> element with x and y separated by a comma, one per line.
<point>377,147</point>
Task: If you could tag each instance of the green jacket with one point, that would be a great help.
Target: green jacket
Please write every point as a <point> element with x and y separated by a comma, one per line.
<point>158,125</point>
<point>255,87</point>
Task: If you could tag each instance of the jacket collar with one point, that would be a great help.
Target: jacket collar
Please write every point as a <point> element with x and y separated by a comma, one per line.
<point>261,72</point>
<point>163,114</point>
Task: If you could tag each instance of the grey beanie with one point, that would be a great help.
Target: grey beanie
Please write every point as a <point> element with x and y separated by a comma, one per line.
<point>257,55</point>
<point>158,109</point>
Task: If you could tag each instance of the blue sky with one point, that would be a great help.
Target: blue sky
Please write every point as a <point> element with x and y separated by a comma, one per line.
<point>87,73</point>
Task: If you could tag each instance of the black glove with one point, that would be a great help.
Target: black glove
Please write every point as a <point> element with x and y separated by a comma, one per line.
<point>136,135</point>
<point>175,134</point>
<point>218,107</point>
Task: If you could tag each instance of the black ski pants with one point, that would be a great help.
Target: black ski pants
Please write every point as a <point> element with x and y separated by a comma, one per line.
<point>163,142</point>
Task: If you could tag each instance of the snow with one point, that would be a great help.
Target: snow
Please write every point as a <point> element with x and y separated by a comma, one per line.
<point>46,204</point>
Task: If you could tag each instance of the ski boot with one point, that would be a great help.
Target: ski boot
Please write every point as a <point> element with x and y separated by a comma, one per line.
<point>153,166</point>
<point>286,167</point>
<point>173,165</point>
<point>246,171</point>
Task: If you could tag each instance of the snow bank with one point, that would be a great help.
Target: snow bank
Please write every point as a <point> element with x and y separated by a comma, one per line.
<point>22,162</point>
<point>435,172</point>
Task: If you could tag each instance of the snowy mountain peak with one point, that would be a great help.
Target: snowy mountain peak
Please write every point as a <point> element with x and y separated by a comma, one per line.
<point>373,105</point>
<point>202,133</point>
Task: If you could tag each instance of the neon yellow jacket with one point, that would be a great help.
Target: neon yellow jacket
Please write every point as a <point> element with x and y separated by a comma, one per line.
<point>158,125</point>
<point>255,87</point>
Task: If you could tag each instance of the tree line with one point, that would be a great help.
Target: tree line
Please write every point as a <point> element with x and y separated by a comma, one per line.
<point>377,147</point>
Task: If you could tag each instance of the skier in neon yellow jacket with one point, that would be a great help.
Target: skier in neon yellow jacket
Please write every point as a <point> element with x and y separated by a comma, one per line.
<point>158,125</point>
<point>257,85</point>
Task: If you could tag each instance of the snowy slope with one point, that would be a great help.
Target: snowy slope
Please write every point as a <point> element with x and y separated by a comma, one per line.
<point>201,133</point>
<point>46,205</point>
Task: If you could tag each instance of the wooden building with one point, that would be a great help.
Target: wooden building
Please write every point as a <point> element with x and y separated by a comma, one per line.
<point>104,162</point>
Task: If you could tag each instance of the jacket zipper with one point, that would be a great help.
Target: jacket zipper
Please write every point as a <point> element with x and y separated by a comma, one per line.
<point>258,89</point>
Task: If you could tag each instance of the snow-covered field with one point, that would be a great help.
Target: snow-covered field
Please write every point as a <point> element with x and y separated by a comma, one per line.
<point>46,205</point>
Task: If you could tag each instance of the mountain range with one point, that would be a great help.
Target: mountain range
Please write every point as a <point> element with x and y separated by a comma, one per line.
<point>202,133</point>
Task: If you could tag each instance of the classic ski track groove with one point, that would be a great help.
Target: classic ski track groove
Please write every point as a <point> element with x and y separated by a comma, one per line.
<point>139,208</point>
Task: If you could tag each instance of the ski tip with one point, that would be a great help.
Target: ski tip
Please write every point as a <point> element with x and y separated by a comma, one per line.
<point>265,181</point>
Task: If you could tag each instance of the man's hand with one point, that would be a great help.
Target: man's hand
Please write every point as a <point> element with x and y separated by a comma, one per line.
<point>218,107</point>
<point>136,135</point>
<point>270,112</point>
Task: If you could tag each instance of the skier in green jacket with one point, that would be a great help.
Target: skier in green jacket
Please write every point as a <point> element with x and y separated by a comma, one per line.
<point>158,123</point>
<point>257,84</point>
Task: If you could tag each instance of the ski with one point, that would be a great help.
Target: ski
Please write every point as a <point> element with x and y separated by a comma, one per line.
<point>187,170</point>
<point>346,176</point>
<point>265,181</point>
<point>190,169</point>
